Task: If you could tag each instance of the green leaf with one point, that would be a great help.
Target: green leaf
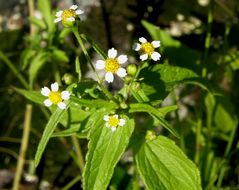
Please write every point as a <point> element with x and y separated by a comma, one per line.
<point>26,57</point>
<point>45,8</point>
<point>162,165</point>
<point>94,103</point>
<point>143,107</point>
<point>105,150</point>
<point>59,56</point>
<point>49,129</point>
<point>68,132</point>
<point>159,80</point>
<point>174,51</point>
<point>37,22</point>
<point>73,117</point>
<point>36,64</point>
<point>34,96</point>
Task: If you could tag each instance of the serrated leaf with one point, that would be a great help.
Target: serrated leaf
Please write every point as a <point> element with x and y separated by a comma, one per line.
<point>49,129</point>
<point>94,103</point>
<point>143,107</point>
<point>159,80</point>
<point>105,150</point>
<point>162,165</point>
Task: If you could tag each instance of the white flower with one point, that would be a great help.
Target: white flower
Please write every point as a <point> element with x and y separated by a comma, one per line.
<point>54,96</point>
<point>147,49</point>
<point>113,121</point>
<point>68,16</point>
<point>112,65</point>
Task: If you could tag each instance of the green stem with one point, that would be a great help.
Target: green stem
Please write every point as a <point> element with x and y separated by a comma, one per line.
<point>198,143</point>
<point>14,70</point>
<point>23,148</point>
<point>71,183</point>
<point>79,154</point>
<point>208,37</point>
<point>140,67</point>
<point>105,91</point>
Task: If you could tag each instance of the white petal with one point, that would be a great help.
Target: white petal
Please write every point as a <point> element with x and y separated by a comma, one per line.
<point>155,44</point>
<point>121,72</point>
<point>142,40</point>
<point>65,95</point>
<point>107,125</point>
<point>55,87</point>
<point>59,13</point>
<point>57,20</point>
<point>143,57</point>
<point>73,7</point>
<point>61,105</point>
<point>112,53</point>
<point>100,64</point>
<point>122,59</point>
<point>113,129</point>
<point>116,116</point>
<point>109,77</point>
<point>71,19</point>
<point>79,12</point>
<point>121,122</point>
<point>136,47</point>
<point>106,118</point>
<point>47,102</point>
<point>45,91</point>
<point>155,56</point>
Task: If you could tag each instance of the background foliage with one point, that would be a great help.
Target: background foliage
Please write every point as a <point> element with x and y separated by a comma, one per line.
<point>191,93</point>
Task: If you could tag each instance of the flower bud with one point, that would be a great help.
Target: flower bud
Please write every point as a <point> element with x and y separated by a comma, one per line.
<point>132,69</point>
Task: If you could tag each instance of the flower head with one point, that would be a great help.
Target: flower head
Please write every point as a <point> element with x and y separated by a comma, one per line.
<point>113,121</point>
<point>112,65</point>
<point>147,49</point>
<point>68,16</point>
<point>54,96</point>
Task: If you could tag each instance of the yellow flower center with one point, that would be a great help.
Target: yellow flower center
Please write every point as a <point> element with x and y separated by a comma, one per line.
<point>113,122</point>
<point>55,97</point>
<point>112,65</point>
<point>67,14</point>
<point>147,48</point>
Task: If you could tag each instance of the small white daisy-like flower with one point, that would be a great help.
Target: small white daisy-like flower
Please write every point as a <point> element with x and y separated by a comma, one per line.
<point>113,121</point>
<point>112,65</point>
<point>54,96</point>
<point>68,16</point>
<point>147,49</point>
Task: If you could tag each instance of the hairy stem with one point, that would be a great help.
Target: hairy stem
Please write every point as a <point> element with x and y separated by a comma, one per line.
<point>105,91</point>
